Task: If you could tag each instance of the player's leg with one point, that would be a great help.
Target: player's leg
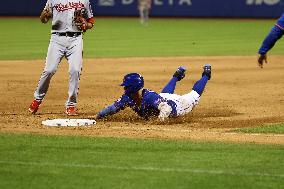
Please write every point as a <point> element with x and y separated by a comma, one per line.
<point>53,58</point>
<point>199,86</point>
<point>145,16</point>
<point>75,59</point>
<point>191,99</point>
<point>178,75</point>
<point>141,12</point>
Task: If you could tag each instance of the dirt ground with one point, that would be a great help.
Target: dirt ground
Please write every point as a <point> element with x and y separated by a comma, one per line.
<point>239,95</point>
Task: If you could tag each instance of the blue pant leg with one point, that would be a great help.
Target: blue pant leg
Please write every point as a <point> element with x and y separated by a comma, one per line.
<point>199,86</point>
<point>170,87</point>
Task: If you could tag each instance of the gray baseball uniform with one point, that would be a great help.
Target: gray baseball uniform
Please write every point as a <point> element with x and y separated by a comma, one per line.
<point>66,41</point>
<point>144,7</point>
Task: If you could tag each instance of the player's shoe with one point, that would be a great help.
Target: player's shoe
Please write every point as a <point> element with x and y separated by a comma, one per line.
<point>207,71</point>
<point>34,106</point>
<point>180,73</point>
<point>71,111</point>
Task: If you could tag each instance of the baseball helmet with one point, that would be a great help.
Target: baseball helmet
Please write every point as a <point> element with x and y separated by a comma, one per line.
<point>132,82</point>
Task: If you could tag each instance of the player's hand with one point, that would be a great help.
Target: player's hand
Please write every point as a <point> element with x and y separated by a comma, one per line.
<point>262,58</point>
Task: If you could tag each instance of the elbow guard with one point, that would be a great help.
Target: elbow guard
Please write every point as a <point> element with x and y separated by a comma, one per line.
<point>165,110</point>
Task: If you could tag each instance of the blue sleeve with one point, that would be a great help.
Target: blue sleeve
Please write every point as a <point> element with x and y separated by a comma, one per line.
<point>118,105</point>
<point>274,35</point>
<point>280,22</point>
<point>153,99</point>
<point>107,111</point>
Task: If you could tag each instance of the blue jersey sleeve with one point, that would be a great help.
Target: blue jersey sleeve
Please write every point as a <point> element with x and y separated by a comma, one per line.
<point>275,34</point>
<point>280,22</point>
<point>152,99</point>
<point>118,105</point>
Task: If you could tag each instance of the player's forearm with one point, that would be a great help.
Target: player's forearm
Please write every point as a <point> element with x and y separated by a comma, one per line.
<point>107,111</point>
<point>274,35</point>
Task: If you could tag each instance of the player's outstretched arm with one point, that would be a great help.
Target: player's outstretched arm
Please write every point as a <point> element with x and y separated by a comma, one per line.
<point>118,105</point>
<point>110,110</point>
<point>275,34</point>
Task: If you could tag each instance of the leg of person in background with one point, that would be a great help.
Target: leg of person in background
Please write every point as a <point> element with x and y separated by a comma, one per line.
<point>178,75</point>
<point>141,12</point>
<point>146,16</point>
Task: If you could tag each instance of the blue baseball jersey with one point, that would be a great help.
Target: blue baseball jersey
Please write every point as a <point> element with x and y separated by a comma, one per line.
<point>149,105</point>
<point>275,34</point>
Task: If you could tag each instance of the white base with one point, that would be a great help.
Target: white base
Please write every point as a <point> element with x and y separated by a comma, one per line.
<point>68,122</point>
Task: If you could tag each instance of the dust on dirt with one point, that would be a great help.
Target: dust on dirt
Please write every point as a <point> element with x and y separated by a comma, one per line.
<point>239,95</point>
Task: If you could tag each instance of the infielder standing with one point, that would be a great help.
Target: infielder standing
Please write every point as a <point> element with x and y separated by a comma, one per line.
<point>148,103</point>
<point>70,18</point>
<point>275,34</point>
<point>144,7</point>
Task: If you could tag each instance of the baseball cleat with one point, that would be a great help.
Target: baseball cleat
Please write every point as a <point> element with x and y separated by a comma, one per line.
<point>34,106</point>
<point>207,71</point>
<point>180,73</point>
<point>71,111</point>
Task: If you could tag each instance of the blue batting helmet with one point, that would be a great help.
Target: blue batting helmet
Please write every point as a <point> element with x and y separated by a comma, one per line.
<point>133,82</point>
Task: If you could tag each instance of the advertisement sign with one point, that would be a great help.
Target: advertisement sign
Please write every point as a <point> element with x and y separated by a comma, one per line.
<point>195,8</point>
<point>160,8</point>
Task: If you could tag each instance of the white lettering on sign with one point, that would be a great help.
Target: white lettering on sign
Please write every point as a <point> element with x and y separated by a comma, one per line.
<point>155,2</point>
<point>187,2</point>
<point>127,2</point>
<point>260,2</point>
<point>106,2</point>
<point>158,2</point>
<point>171,2</point>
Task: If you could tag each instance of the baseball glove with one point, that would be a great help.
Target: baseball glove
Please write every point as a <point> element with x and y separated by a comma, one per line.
<point>80,19</point>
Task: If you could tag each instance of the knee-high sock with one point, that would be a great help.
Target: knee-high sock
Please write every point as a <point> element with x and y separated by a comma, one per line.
<point>200,85</point>
<point>170,87</point>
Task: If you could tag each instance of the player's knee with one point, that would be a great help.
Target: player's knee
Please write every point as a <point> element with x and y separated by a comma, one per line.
<point>49,72</point>
<point>75,72</point>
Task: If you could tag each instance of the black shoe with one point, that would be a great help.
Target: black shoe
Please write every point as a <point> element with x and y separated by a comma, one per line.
<point>207,71</point>
<point>180,73</point>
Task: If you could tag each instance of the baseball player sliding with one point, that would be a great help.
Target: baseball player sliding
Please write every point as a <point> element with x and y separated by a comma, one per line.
<point>275,34</point>
<point>147,103</point>
<point>70,18</point>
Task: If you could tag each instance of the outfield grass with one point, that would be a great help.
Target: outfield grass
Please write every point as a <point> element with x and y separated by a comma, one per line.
<point>113,37</point>
<point>32,161</point>
<point>276,129</point>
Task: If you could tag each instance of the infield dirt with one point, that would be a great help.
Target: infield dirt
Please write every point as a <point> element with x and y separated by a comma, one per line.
<point>239,95</point>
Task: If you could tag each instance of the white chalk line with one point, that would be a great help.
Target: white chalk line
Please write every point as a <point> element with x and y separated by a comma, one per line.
<point>135,168</point>
<point>194,131</point>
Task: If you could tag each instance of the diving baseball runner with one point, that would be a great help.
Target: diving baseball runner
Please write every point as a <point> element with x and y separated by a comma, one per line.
<point>70,18</point>
<point>147,103</point>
